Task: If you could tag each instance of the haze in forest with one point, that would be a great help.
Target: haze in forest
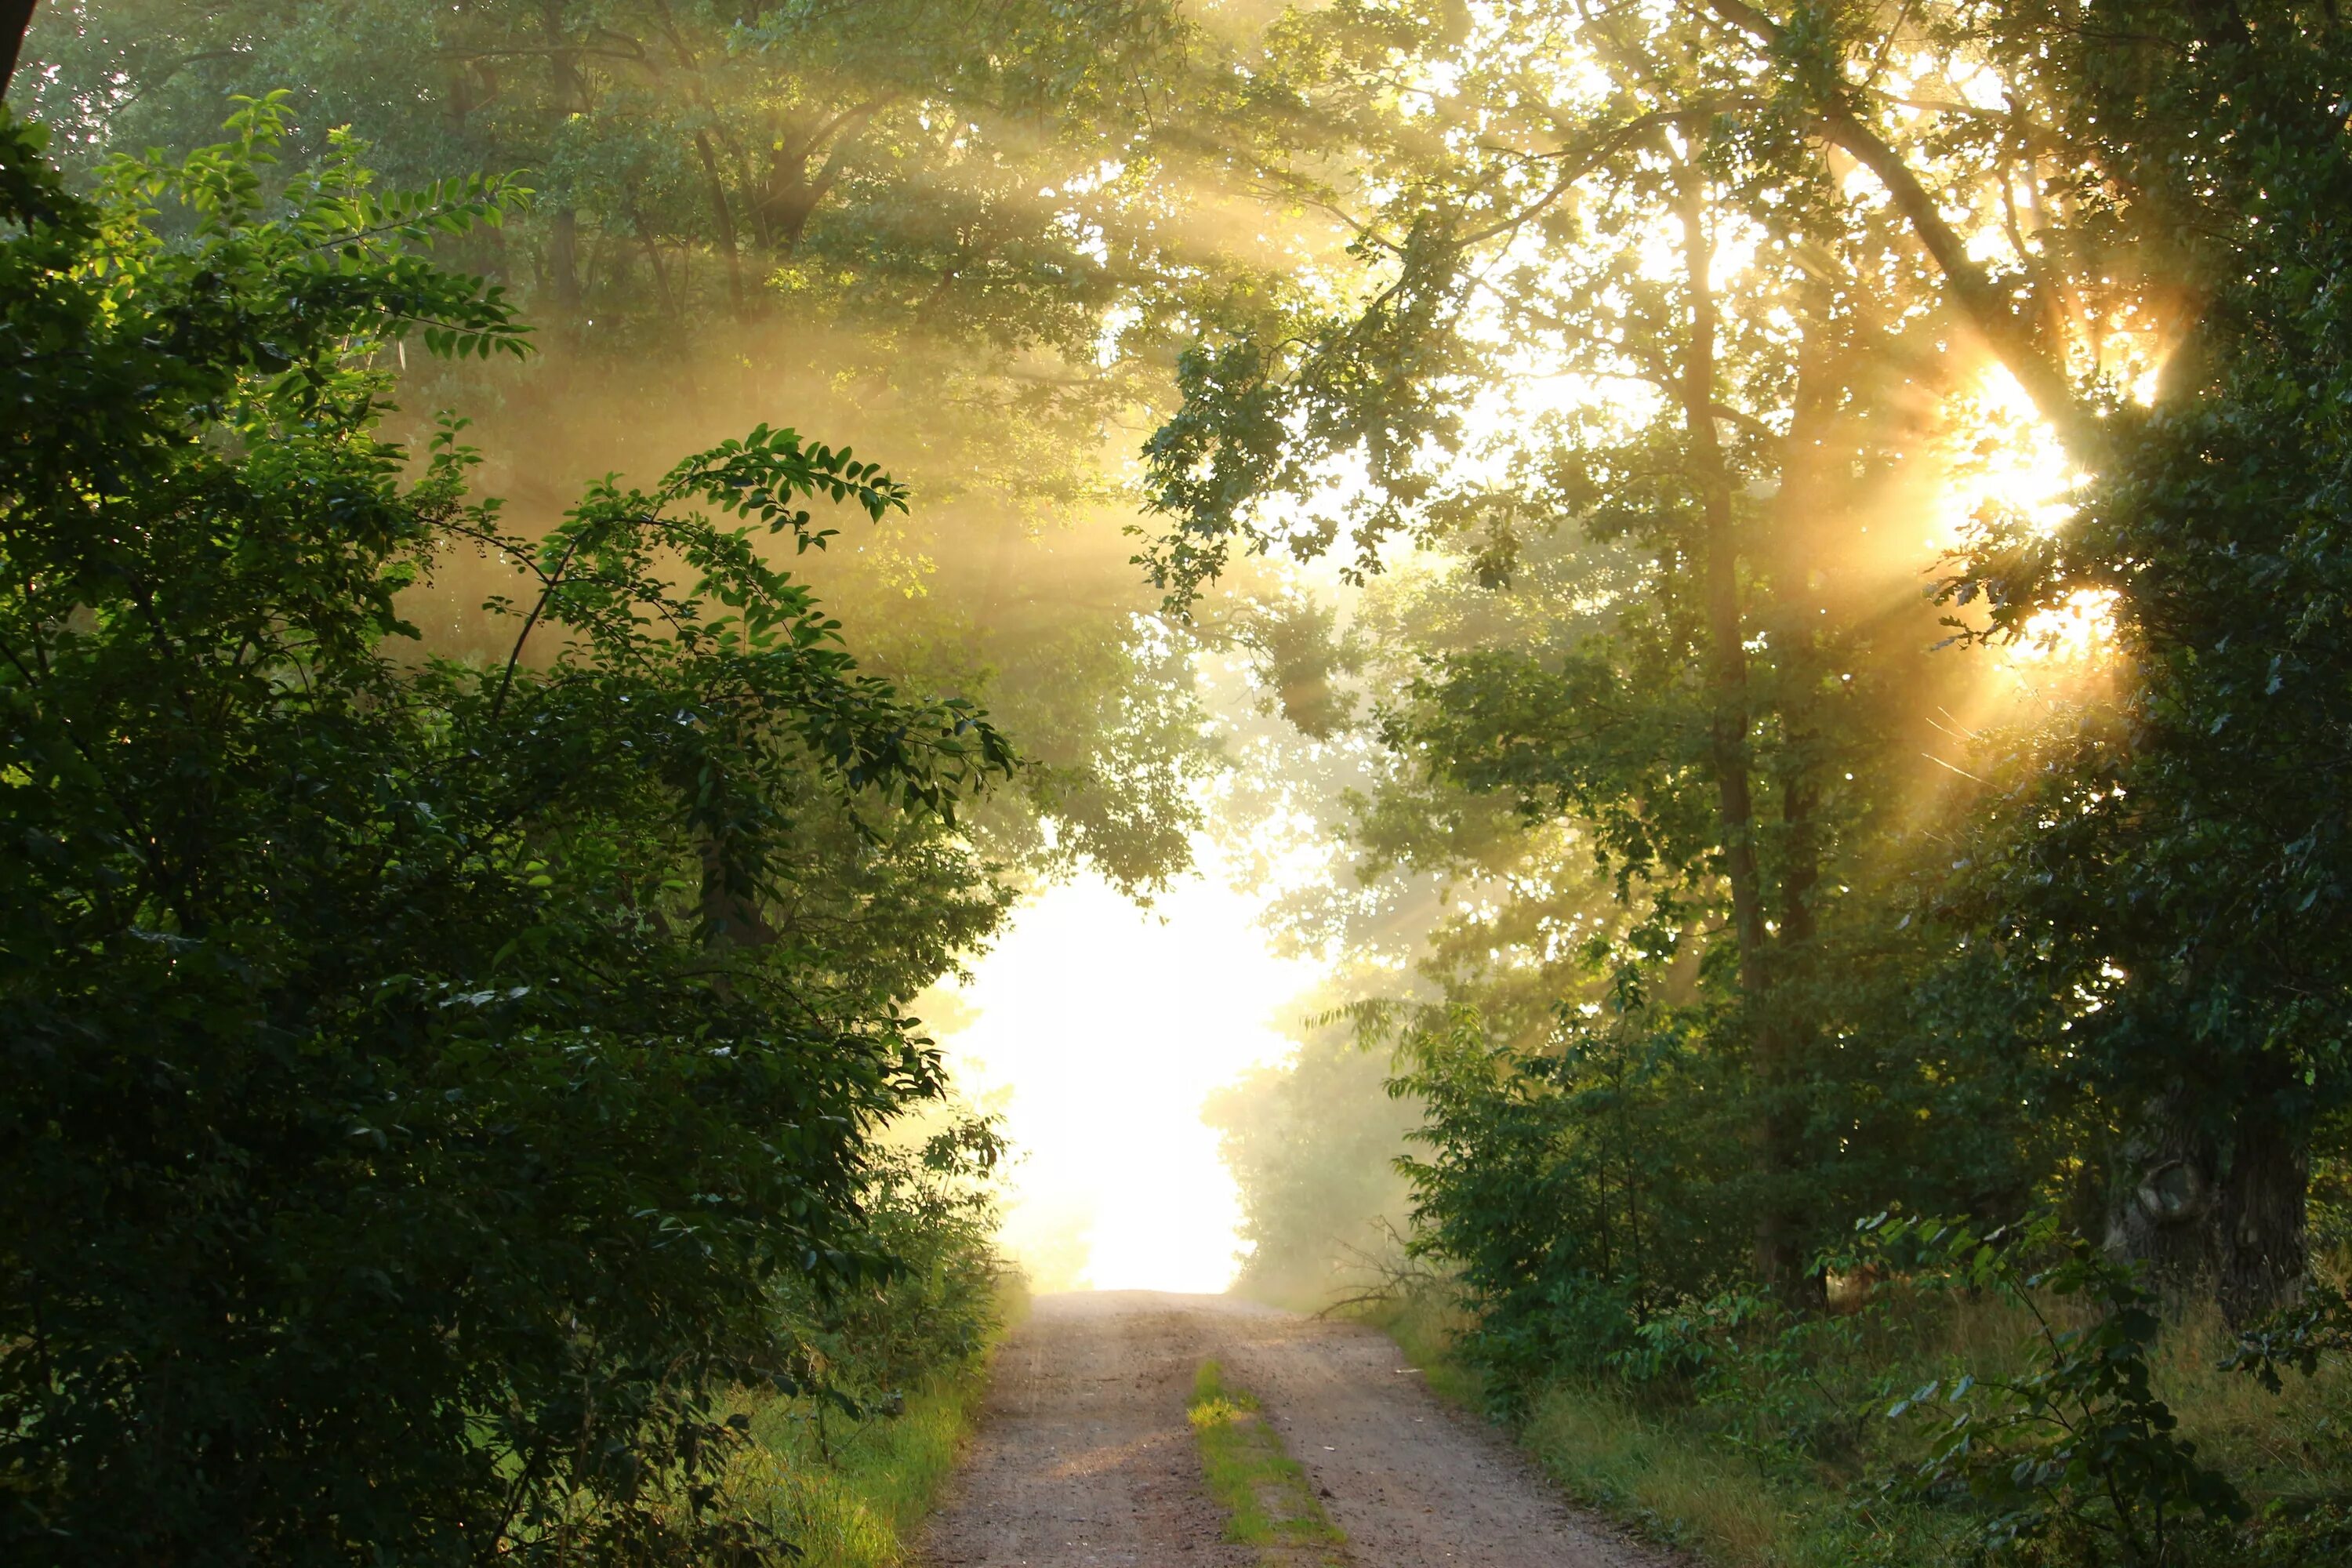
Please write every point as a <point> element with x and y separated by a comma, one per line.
<point>1654,693</point>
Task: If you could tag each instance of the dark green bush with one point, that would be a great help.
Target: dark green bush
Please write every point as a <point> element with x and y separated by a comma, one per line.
<point>415,1076</point>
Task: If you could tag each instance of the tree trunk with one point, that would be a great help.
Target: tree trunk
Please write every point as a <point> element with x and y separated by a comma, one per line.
<point>790,193</point>
<point>1778,1260</point>
<point>725,215</point>
<point>2217,1201</point>
<point>563,222</point>
<point>563,261</point>
<point>15,16</point>
<point>2261,1259</point>
<point>2160,1209</point>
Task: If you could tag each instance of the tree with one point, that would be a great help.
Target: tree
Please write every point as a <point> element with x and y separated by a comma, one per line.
<point>2118,208</point>
<point>1715,704</point>
<point>15,16</point>
<point>418,1069</point>
<point>2179,165</point>
<point>932,229</point>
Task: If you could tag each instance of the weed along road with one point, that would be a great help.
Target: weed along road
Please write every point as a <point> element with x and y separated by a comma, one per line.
<point>1085,1456</point>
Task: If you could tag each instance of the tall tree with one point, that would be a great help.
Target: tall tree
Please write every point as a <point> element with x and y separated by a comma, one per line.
<point>1561,200</point>
<point>2147,238</point>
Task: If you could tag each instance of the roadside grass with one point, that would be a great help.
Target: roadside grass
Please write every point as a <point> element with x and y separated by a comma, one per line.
<point>1672,1478</point>
<point>1673,1470</point>
<point>854,1493</point>
<point>1660,1469</point>
<point>1263,1491</point>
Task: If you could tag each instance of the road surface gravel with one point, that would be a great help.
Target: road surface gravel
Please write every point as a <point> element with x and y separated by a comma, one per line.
<point>1083,1459</point>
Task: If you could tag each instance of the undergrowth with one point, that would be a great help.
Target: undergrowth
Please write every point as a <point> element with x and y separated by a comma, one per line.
<point>850,1491</point>
<point>845,1460</point>
<point>1754,1440</point>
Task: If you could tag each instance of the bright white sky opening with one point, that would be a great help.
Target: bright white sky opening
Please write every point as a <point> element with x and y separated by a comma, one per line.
<point>1101,1029</point>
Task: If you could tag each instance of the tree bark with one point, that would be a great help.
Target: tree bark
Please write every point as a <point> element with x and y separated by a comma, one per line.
<point>725,215</point>
<point>792,190</point>
<point>2261,1258</point>
<point>1778,1257</point>
<point>2162,1205</point>
<point>16,17</point>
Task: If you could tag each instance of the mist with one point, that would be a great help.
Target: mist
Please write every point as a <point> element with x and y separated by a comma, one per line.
<point>710,707</point>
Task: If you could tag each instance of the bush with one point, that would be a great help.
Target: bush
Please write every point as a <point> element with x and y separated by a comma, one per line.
<point>411,1093</point>
<point>845,1461</point>
<point>2074,1455</point>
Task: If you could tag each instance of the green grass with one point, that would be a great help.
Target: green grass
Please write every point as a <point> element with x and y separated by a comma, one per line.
<point>1667,1478</point>
<point>1672,1478</point>
<point>855,1493</point>
<point>1273,1509</point>
<point>1664,1468</point>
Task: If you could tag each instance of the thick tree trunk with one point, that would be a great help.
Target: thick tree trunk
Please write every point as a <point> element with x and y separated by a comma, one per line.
<point>2160,1209</point>
<point>2216,1203</point>
<point>2260,1256</point>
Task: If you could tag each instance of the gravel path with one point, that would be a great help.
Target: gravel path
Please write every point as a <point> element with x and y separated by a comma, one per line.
<point>1084,1459</point>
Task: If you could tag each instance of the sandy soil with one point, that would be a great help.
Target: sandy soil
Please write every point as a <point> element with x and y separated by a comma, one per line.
<point>1084,1459</point>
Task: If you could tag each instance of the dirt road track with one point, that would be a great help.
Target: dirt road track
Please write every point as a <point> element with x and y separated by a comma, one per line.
<point>1084,1459</point>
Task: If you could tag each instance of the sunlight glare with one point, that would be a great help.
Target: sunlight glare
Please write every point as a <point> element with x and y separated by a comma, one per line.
<point>2003,459</point>
<point>2082,630</point>
<point>1101,1028</point>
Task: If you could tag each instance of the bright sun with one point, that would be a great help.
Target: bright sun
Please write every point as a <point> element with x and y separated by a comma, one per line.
<point>2003,457</point>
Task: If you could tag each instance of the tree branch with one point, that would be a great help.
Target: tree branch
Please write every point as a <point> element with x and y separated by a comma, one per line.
<point>2010,338</point>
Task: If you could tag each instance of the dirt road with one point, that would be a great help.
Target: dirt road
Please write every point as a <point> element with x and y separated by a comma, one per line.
<point>1084,1459</point>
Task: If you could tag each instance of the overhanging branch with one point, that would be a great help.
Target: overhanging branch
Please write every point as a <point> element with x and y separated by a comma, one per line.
<point>2009,336</point>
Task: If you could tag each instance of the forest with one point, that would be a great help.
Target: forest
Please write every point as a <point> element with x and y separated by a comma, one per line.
<point>1782,573</point>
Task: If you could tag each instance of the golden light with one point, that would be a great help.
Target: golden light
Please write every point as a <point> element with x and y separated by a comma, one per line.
<point>2000,468</point>
<point>2080,631</point>
<point>2002,459</point>
<point>1096,1029</point>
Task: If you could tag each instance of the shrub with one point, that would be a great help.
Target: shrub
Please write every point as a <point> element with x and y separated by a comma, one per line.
<point>409,1091</point>
<point>2075,1455</point>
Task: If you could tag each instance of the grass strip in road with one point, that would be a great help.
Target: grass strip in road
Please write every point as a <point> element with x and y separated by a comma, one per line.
<point>1273,1509</point>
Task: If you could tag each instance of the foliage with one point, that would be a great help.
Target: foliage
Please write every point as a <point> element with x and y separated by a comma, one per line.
<point>1654,315</point>
<point>1794,1390</point>
<point>413,1092</point>
<point>935,231</point>
<point>895,1370</point>
<point>1659,322</point>
<point>933,1212</point>
<point>1546,1187</point>
<point>2179,861</point>
<point>2076,1452</point>
<point>2298,1336</point>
